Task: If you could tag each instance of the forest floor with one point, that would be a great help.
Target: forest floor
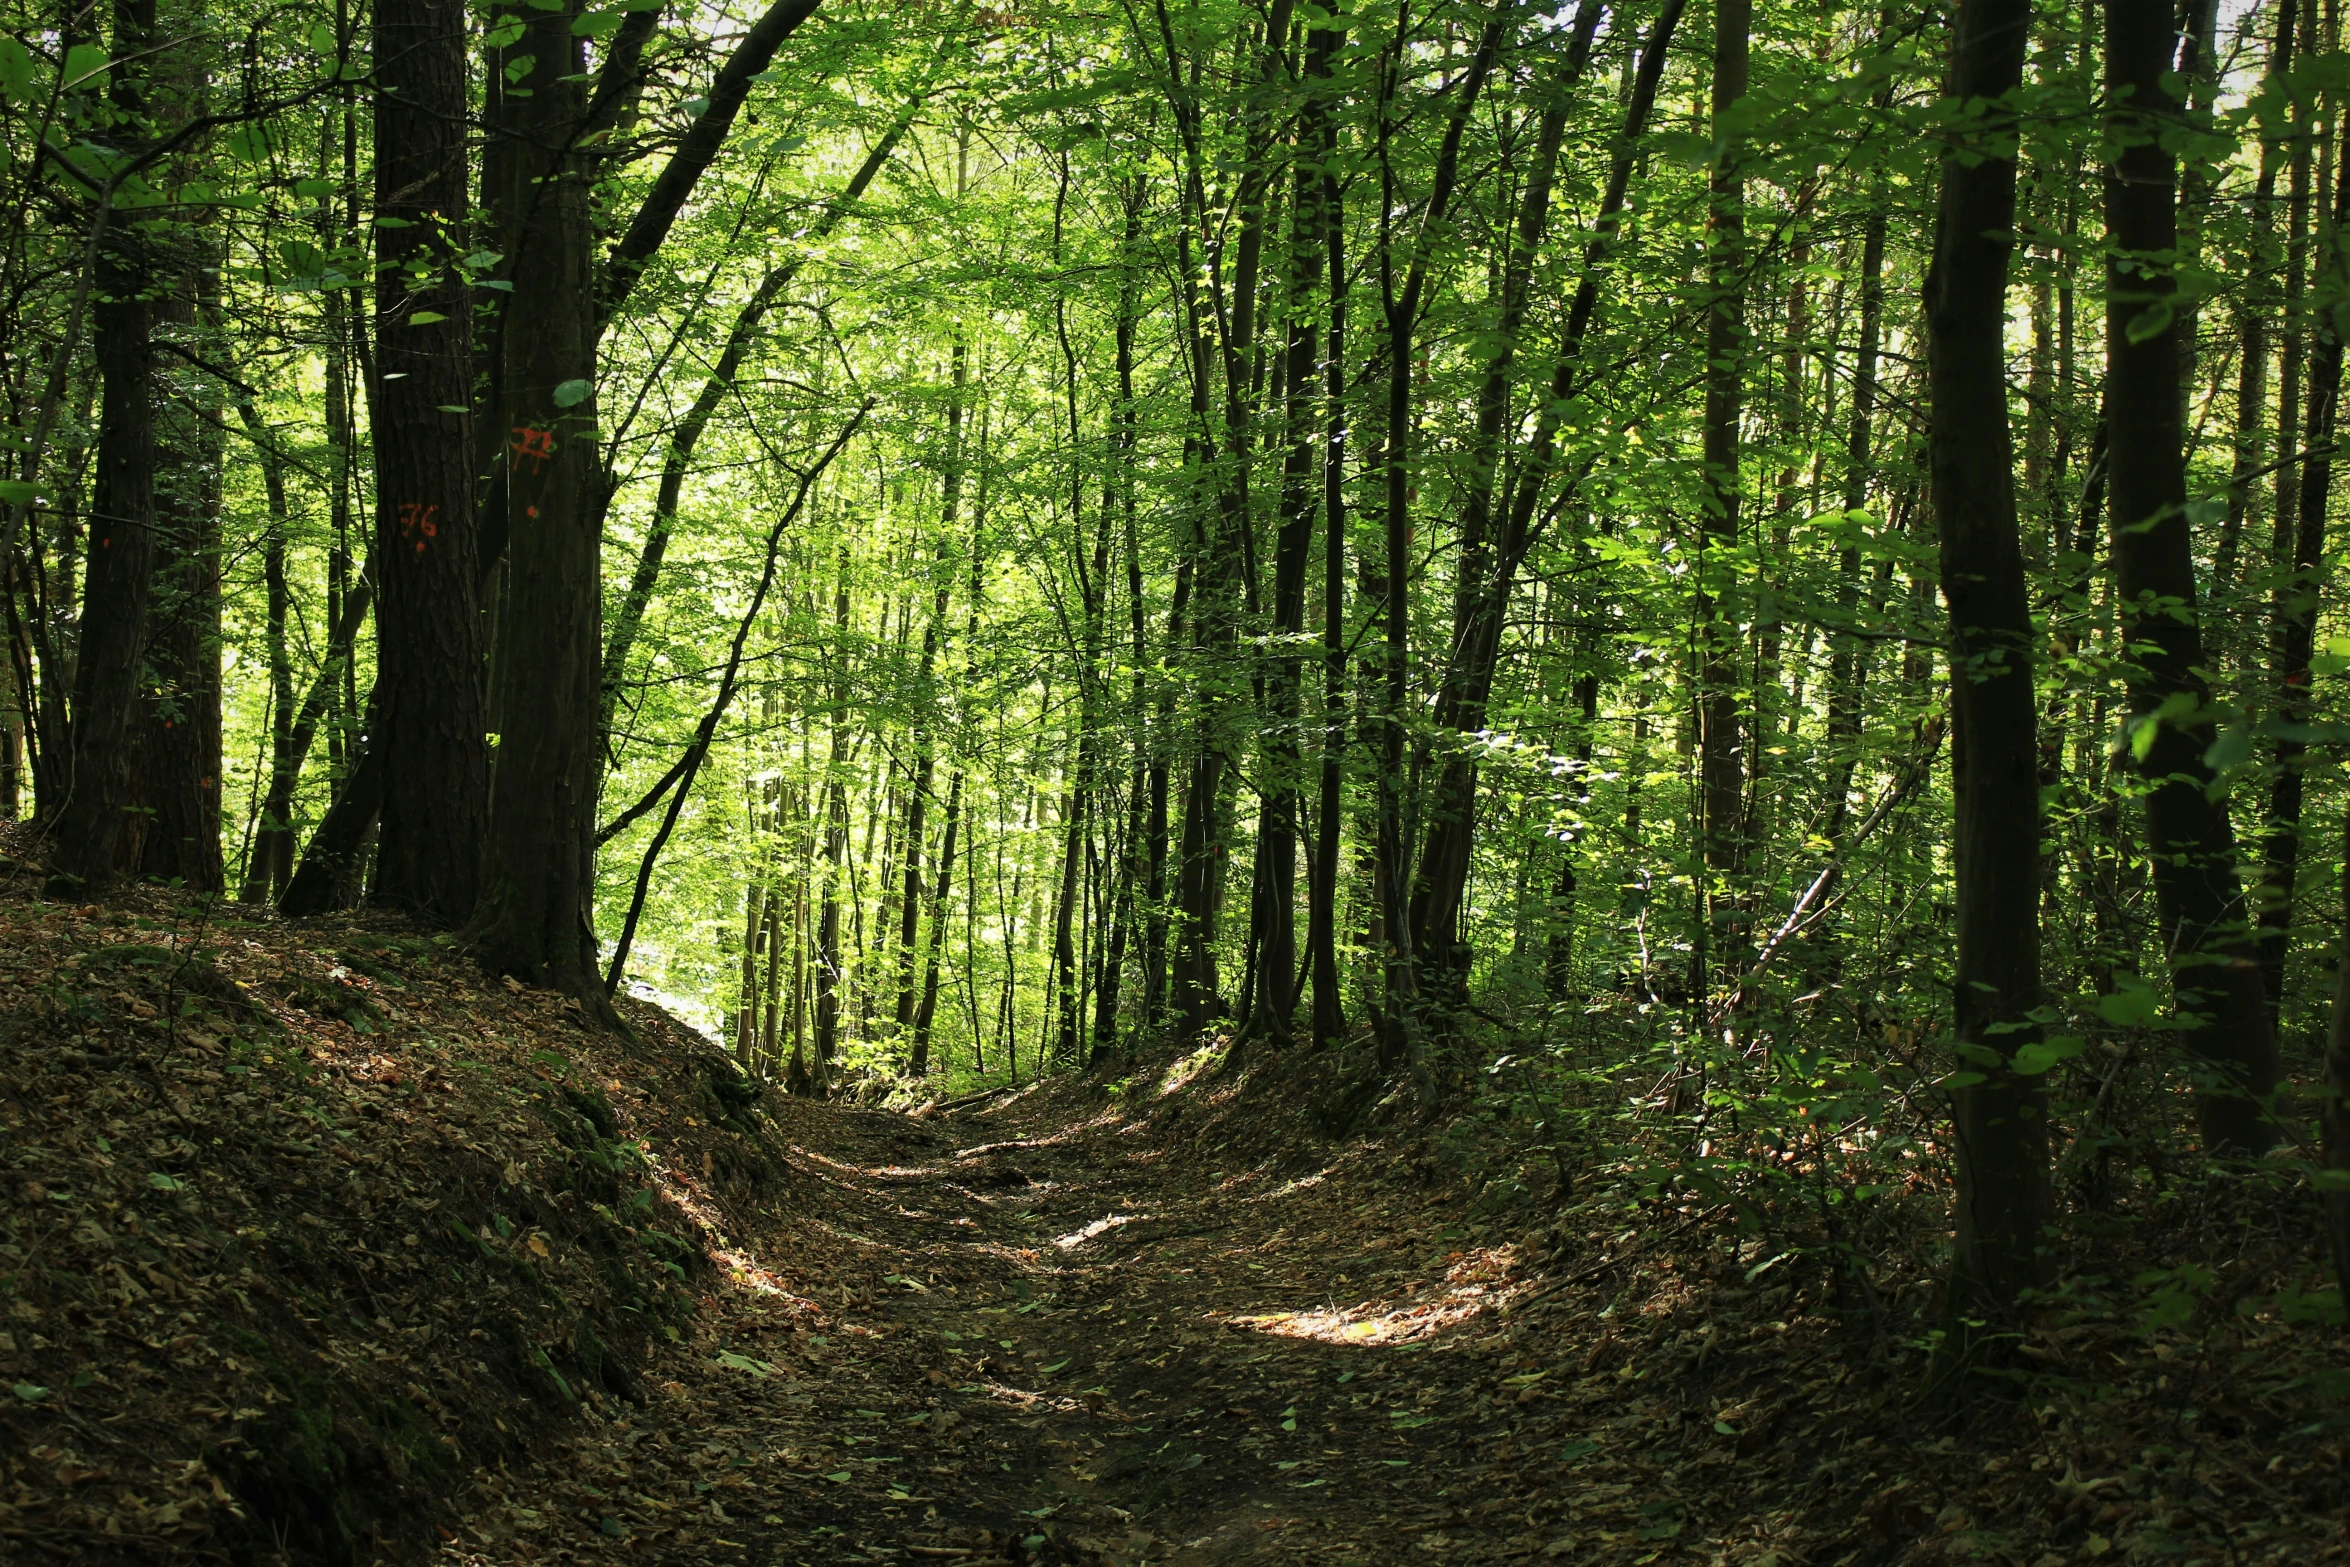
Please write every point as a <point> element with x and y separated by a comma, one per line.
<point>1173,1326</point>
<point>320,1246</point>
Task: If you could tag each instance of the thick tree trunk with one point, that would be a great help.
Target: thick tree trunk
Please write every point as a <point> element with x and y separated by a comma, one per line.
<point>118,579</point>
<point>2002,1115</point>
<point>2222,1013</point>
<point>180,745</point>
<point>535,916</point>
<point>431,711</point>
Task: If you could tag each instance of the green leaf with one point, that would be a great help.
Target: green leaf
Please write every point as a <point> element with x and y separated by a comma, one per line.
<point>2036,1058</point>
<point>509,31</point>
<point>1965,1079</point>
<point>31,1392</point>
<point>597,24</point>
<point>757,1368</point>
<point>393,223</point>
<point>426,318</point>
<point>85,66</point>
<point>166,1183</point>
<point>18,492</point>
<point>1054,1369</point>
<point>16,69</point>
<point>572,393</point>
<point>2132,1003</point>
<point>840,1477</point>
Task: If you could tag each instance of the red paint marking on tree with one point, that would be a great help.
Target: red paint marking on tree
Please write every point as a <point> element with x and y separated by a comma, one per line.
<point>535,444</point>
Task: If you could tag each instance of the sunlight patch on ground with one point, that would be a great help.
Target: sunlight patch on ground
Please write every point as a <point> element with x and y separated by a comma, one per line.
<point>1102,1226</point>
<point>1478,1282</point>
<point>1188,1067</point>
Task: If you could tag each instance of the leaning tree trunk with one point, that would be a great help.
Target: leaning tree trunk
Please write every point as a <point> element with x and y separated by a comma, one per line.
<point>431,714</point>
<point>2221,1012</point>
<point>2002,1112</point>
<point>118,578</point>
<point>1440,892</point>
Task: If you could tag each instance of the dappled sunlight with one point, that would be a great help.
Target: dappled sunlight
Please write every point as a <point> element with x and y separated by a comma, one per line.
<point>1477,1283</point>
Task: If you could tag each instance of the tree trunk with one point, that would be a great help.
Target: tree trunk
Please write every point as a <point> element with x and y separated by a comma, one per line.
<point>118,579</point>
<point>1721,765</point>
<point>1322,895</point>
<point>431,709</point>
<point>2221,1011</point>
<point>2002,1114</point>
<point>1440,893</point>
<point>180,750</point>
<point>2293,631</point>
<point>535,917</point>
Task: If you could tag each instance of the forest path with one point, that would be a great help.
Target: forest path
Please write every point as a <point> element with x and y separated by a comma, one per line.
<point>1044,1332</point>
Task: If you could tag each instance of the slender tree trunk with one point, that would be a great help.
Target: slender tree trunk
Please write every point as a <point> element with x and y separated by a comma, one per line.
<point>2222,1013</point>
<point>1439,896</point>
<point>1273,916</point>
<point>2293,635</point>
<point>943,886</point>
<point>2002,1115</point>
<point>2253,332</point>
<point>1322,897</point>
<point>1400,1043</point>
<point>272,858</point>
<point>926,698</point>
<point>431,711</point>
<point>1721,763</point>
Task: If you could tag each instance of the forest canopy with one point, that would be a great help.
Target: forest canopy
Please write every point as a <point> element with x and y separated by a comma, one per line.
<point>1757,565</point>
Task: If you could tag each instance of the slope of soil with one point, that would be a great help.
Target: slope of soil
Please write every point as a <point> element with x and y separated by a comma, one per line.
<point>301,1227</point>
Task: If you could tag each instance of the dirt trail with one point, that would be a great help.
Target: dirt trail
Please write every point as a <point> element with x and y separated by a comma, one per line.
<point>1004,1336</point>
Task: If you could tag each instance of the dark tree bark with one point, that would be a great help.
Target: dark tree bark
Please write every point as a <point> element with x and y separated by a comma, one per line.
<point>535,916</point>
<point>1721,760</point>
<point>942,885</point>
<point>1400,1027</point>
<point>1322,895</point>
<point>1440,893</point>
<point>1476,647</point>
<point>431,712</point>
<point>2215,969</point>
<point>2293,635</point>
<point>180,742</point>
<point>2002,1116</point>
<point>118,578</point>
